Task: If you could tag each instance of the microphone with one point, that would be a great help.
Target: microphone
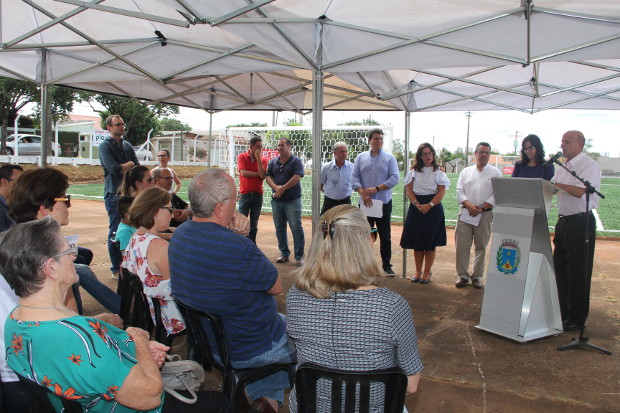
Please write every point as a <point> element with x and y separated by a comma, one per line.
<point>553,159</point>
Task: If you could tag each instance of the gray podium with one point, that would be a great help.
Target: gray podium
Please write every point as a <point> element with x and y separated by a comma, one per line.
<point>520,296</point>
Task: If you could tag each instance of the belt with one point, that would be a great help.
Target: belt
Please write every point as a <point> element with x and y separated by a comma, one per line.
<point>338,200</point>
<point>574,217</point>
<point>484,210</point>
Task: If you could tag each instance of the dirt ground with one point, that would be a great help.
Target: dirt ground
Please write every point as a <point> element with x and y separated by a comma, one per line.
<point>466,369</point>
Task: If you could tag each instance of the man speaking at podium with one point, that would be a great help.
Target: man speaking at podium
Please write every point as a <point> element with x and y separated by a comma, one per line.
<point>573,273</point>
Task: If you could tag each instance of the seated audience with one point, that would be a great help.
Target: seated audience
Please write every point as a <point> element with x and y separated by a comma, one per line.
<point>84,359</point>
<point>338,316</point>
<point>532,160</point>
<point>147,254</point>
<point>42,192</point>
<point>135,180</point>
<point>216,269</point>
<point>163,156</point>
<point>8,174</point>
<point>124,230</point>
<point>163,179</point>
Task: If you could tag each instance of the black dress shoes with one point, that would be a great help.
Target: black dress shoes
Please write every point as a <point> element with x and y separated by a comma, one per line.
<point>571,326</point>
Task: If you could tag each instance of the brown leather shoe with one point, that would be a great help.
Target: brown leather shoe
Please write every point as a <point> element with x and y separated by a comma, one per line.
<point>261,405</point>
<point>476,283</point>
<point>460,283</point>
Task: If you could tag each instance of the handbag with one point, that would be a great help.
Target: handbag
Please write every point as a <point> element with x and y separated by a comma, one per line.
<point>185,375</point>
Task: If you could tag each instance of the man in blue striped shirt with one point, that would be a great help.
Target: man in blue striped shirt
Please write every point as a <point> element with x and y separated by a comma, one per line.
<point>375,173</point>
<point>216,269</point>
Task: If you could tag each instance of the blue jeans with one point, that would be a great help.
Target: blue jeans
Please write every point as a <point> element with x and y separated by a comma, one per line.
<point>111,205</point>
<point>282,351</point>
<point>251,204</point>
<point>288,211</point>
<point>100,292</point>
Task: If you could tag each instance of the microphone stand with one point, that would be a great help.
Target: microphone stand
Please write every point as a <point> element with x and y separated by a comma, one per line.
<point>583,340</point>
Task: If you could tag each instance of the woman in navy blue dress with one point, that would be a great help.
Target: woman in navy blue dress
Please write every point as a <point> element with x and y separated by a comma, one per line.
<point>532,159</point>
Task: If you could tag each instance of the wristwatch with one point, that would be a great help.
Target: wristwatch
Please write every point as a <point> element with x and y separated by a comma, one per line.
<point>415,203</point>
<point>377,188</point>
<point>432,205</point>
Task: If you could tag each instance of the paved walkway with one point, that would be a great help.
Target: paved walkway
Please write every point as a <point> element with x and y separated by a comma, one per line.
<point>466,369</point>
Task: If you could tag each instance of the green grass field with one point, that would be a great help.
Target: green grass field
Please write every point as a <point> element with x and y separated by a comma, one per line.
<point>607,211</point>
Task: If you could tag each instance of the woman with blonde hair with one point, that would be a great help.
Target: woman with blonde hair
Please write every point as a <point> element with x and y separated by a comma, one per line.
<point>339,316</point>
<point>147,253</point>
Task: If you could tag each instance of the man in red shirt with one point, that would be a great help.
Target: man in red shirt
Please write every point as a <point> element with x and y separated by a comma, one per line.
<point>252,167</point>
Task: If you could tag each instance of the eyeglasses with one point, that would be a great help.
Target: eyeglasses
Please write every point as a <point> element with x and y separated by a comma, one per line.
<point>72,250</point>
<point>372,230</point>
<point>427,153</point>
<point>170,209</point>
<point>529,148</point>
<point>66,200</point>
<point>117,124</point>
<point>236,198</point>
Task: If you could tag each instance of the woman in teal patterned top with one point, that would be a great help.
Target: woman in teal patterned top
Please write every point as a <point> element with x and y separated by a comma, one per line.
<point>84,359</point>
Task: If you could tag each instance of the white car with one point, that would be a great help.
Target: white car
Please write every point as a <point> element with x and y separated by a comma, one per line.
<point>142,154</point>
<point>29,145</point>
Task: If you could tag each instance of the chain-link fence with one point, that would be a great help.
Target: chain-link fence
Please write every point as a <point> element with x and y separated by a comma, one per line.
<point>229,143</point>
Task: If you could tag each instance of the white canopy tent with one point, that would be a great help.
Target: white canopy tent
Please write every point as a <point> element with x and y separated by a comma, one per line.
<point>310,55</point>
<point>452,55</point>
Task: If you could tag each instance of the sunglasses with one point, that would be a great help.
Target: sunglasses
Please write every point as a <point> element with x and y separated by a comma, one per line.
<point>117,124</point>
<point>66,200</point>
<point>170,209</point>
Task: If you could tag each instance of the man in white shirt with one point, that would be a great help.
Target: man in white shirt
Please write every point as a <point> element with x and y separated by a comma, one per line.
<point>336,178</point>
<point>474,193</point>
<point>573,257</point>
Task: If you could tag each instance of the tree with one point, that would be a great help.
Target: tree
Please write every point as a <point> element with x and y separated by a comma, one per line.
<point>249,125</point>
<point>365,122</point>
<point>399,154</point>
<point>139,117</point>
<point>447,158</point>
<point>587,148</point>
<point>16,94</point>
<point>172,124</point>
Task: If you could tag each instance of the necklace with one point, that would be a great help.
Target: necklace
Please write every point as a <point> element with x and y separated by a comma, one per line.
<point>426,176</point>
<point>47,308</point>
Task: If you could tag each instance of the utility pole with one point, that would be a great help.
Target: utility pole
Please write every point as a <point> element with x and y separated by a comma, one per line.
<point>516,142</point>
<point>468,114</point>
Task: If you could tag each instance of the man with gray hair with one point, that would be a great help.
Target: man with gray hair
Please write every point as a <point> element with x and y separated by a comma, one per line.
<point>336,178</point>
<point>217,270</point>
<point>163,179</point>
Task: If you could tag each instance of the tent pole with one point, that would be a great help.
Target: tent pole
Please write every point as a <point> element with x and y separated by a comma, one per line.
<point>405,166</point>
<point>317,133</point>
<point>46,112</point>
<point>210,138</point>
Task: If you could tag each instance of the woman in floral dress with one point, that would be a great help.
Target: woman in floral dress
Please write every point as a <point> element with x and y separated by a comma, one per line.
<point>88,360</point>
<point>147,253</point>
